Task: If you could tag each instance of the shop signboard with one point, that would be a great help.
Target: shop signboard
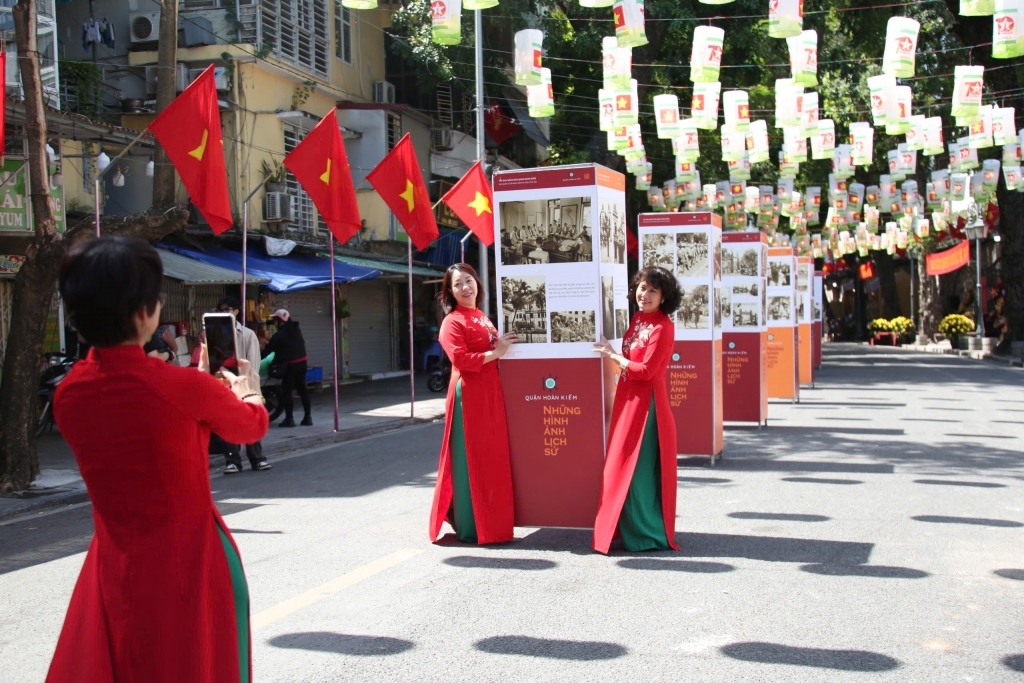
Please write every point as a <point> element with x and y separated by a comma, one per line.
<point>10,264</point>
<point>817,324</point>
<point>782,324</point>
<point>15,205</point>
<point>562,285</point>
<point>805,317</point>
<point>744,326</point>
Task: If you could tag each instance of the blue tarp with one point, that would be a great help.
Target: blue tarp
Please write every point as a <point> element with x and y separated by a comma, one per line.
<point>286,273</point>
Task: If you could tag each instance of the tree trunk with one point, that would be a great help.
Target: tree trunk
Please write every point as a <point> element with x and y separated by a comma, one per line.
<point>929,300</point>
<point>887,281</point>
<point>167,58</point>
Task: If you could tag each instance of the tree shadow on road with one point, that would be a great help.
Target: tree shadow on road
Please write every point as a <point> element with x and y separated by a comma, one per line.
<point>342,643</point>
<point>840,660</point>
<point>575,650</point>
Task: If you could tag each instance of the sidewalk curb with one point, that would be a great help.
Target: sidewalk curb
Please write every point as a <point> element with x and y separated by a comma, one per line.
<point>45,502</point>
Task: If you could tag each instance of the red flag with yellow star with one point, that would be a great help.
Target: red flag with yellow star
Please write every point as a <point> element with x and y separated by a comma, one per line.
<point>189,130</point>
<point>497,125</point>
<point>399,183</point>
<point>320,165</point>
<point>472,201</point>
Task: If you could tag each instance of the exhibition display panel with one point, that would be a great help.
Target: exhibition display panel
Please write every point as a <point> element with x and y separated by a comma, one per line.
<point>818,323</point>
<point>805,318</point>
<point>783,342</point>
<point>744,326</point>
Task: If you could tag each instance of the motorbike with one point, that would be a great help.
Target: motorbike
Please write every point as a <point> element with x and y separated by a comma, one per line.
<point>441,376</point>
<point>55,370</point>
<point>270,387</point>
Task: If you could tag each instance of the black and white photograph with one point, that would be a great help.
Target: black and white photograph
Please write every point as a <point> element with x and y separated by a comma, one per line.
<point>803,277</point>
<point>659,250</point>
<point>744,315</point>
<point>524,307</point>
<point>621,322</point>
<point>693,313</point>
<point>691,254</point>
<point>717,307</point>
<point>800,309</point>
<point>726,303</point>
<point>778,308</point>
<point>546,231</point>
<point>739,259</point>
<point>573,326</point>
<point>718,261</point>
<point>753,289</point>
<point>764,308</point>
<point>607,305</point>
<point>817,310</point>
<point>779,274</point>
<point>612,226</point>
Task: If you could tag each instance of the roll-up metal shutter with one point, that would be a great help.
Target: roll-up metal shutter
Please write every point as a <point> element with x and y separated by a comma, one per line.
<point>312,309</point>
<point>369,328</point>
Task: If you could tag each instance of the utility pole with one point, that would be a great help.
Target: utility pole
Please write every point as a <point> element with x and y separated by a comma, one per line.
<point>167,62</point>
<point>481,151</point>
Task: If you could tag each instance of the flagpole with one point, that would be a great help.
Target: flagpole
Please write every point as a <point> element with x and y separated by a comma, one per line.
<point>245,245</point>
<point>334,333</point>
<point>481,150</point>
<point>462,243</point>
<point>412,362</point>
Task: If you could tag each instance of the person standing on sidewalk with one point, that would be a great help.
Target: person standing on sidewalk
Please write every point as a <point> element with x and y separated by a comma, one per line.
<point>247,346</point>
<point>474,479</point>
<point>162,595</point>
<point>290,354</point>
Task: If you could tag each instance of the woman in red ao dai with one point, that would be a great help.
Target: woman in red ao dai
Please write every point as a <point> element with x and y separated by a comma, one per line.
<point>474,478</point>
<point>638,494</point>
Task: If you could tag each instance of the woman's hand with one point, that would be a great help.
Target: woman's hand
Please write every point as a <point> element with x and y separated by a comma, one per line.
<point>604,348</point>
<point>504,341</point>
<point>239,384</point>
<point>204,359</point>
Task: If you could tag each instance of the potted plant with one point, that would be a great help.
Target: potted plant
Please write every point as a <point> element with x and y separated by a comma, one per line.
<point>882,330</point>
<point>904,329</point>
<point>954,326</point>
<point>274,174</point>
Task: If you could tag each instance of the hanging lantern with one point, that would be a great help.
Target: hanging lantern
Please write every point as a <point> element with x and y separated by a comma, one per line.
<point>967,89</point>
<point>900,47</point>
<point>803,58</point>
<point>968,155</point>
<point>666,112</point>
<point>618,139</point>
<point>540,98</point>
<point>981,130</point>
<point>643,182</point>
<point>862,140</point>
<point>990,174</point>
<point>842,162</point>
<point>907,160</point>
<point>706,54</point>
<point>596,3</point>
<point>786,94</point>
<point>1011,176</point>
<point>795,144</point>
<point>629,23</point>
<point>446,21</point>
<point>528,55</point>
<point>1008,29</point>
<point>1011,154</point>
<point>787,169</point>
<point>882,90</point>
<point>933,143</point>
<point>617,63</point>
<point>626,110</point>
<point>472,5</point>
<point>685,171</point>
<point>736,108</point>
<point>634,148</point>
<point>606,103</point>
<point>823,142</point>
<point>954,156</point>
<point>977,8</point>
<point>1004,126</point>
<point>704,105</point>
<point>785,18</point>
<point>734,145</point>
<point>808,106</point>
<point>915,135</point>
<point>757,142</point>
<point>740,170</point>
<point>687,145</point>
<point>897,116</point>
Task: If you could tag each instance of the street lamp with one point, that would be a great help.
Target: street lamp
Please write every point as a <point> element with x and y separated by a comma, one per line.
<point>976,229</point>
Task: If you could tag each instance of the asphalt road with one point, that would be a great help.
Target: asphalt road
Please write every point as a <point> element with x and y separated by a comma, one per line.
<point>874,531</point>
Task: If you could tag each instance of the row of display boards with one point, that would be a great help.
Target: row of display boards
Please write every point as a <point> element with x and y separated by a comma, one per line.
<point>748,329</point>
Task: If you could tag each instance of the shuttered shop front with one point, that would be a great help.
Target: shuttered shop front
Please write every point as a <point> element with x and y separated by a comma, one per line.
<point>312,309</point>
<point>369,328</point>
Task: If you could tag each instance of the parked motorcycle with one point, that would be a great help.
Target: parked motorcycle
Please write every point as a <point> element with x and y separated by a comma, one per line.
<point>56,369</point>
<point>273,395</point>
<point>441,376</point>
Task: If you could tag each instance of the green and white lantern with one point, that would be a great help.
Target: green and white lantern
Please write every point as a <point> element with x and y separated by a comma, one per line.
<point>704,105</point>
<point>900,47</point>
<point>446,21</point>
<point>803,58</point>
<point>785,18</point>
<point>706,54</point>
<point>1008,29</point>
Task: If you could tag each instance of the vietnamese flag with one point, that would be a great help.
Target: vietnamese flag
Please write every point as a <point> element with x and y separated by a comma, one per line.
<point>189,130</point>
<point>631,244</point>
<point>497,125</point>
<point>320,165</point>
<point>472,201</point>
<point>399,182</point>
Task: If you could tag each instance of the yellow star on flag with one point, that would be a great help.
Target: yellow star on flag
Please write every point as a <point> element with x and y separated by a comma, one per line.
<point>623,103</point>
<point>480,204</point>
<point>326,175</point>
<point>201,149</point>
<point>409,195</point>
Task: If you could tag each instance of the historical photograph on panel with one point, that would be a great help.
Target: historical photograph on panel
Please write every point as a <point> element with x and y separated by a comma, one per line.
<point>726,303</point>
<point>660,250</point>
<point>691,254</point>
<point>779,274</point>
<point>611,221</point>
<point>524,307</point>
<point>751,289</point>
<point>693,313</point>
<point>817,310</point>
<point>546,231</point>
<point>718,261</point>
<point>778,308</point>
<point>739,259</point>
<point>717,307</point>
<point>803,281</point>
<point>608,306</point>
<point>573,326</point>
<point>621,322</point>
<point>800,308</point>
<point>744,315</point>
<point>764,308</point>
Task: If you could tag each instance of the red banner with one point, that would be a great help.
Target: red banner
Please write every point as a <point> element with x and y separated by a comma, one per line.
<point>947,261</point>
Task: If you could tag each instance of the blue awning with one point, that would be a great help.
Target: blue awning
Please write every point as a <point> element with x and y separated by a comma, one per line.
<point>286,273</point>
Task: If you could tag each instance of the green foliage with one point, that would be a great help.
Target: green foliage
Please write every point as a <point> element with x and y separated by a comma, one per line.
<point>302,93</point>
<point>956,324</point>
<point>86,82</point>
<point>902,326</point>
<point>563,154</point>
<point>275,173</point>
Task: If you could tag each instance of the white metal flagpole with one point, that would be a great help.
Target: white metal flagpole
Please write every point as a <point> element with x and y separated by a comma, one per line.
<point>462,243</point>
<point>412,362</point>
<point>334,333</point>
<point>481,150</point>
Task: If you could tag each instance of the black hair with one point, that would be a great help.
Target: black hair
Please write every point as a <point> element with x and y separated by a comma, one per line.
<point>104,282</point>
<point>448,302</point>
<point>663,281</point>
<point>229,302</point>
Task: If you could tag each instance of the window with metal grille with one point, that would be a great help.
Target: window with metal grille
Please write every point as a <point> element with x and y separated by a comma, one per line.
<point>342,32</point>
<point>394,130</point>
<point>293,135</point>
<point>296,31</point>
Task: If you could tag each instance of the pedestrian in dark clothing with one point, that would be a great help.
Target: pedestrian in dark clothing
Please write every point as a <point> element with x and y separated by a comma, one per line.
<point>290,354</point>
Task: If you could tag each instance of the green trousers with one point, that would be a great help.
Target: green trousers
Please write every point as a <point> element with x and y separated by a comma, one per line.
<point>462,498</point>
<point>241,591</point>
<point>641,524</point>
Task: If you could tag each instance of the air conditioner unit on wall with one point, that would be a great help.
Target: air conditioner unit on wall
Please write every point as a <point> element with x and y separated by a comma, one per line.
<point>220,76</point>
<point>383,92</point>
<point>277,207</point>
<point>144,26</point>
<point>441,139</point>
<point>181,78</point>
